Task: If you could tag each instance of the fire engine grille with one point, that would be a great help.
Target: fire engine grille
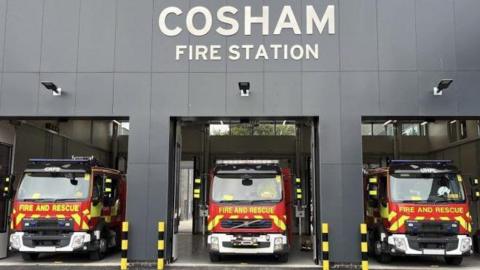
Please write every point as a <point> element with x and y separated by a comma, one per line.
<point>246,223</point>
<point>48,226</point>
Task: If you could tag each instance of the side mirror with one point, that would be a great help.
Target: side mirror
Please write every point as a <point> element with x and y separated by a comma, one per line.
<point>6,186</point>
<point>475,183</point>
<point>373,188</point>
<point>107,190</point>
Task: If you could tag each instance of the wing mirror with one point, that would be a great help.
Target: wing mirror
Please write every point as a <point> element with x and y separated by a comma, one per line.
<point>475,183</point>
<point>6,186</point>
<point>373,188</point>
<point>107,190</point>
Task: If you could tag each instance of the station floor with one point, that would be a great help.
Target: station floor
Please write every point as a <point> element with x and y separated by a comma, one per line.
<point>192,254</point>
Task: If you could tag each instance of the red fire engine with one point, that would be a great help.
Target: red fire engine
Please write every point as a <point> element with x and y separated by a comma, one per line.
<point>418,208</point>
<point>67,205</point>
<point>248,210</point>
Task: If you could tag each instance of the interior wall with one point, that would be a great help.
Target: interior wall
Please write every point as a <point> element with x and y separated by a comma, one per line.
<point>78,137</point>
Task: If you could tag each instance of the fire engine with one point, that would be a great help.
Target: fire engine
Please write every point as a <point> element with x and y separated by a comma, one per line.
<point>417,208</point>
<point>248,210</point>
<point>67,205</point>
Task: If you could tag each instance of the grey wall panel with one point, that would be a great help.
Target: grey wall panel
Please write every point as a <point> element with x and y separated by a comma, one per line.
<point>359,93</point>
<point>242,65</point>
<point>97,36</point>
<point>139,139</point>
<point>60,36</point>
<point>132,94</point>
<point>57,105</point>
<point>157,204</point>
<point>358,35</point>
<point>399,93</point>
<point>468,100</point>
<point>352,188</point>
<point>3,17</point>
<point>163,51</point>
<point>206,94</point>
<point>211,38</point>
<point>137,212</point>
<point>19,94</point>
<point>396,35</point>
<point>23,35</point>
<point>245,106</point>
<point>331,188</point>
<point>351,139</point>
<point>467,42</point>
<point>169,94</point>
<point>329,59</point>
<point>132,98</point>
<point>287,36</point>
<point>281,93</point>
<point>94,94</point>
<point>435,35</point>
<point>321,96</point>
<point>447,104</point>
<point>133,47</point>
<point>159,139</point>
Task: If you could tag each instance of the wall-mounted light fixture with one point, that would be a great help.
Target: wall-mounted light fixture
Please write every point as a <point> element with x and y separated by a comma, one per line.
<point>442,85</point>
<point>244,89</point>
<point>57,91</point>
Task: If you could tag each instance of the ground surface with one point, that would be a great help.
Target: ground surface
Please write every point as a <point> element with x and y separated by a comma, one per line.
<point>193,255</point>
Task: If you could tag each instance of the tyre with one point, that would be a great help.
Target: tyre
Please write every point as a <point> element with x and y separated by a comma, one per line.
<point>456,260</point>
<point>283,258</point>
<point>101,250</point>
<point>215,257</point>
<point>384,258</point>
<point>29,256</point>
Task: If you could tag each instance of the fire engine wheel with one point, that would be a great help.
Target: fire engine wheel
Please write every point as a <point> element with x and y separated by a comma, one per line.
<point>282,258</point>
<point>214,257</point>
<point>29,256</point>
<point>457,260</point>
<point>99,254</point>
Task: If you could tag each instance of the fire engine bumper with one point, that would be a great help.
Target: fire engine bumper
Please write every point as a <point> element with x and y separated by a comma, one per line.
<point>238,244</point>
<point>77,241</point>
<point>401,244</point>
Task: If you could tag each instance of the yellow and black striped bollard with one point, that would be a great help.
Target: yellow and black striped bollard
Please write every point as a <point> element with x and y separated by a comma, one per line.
<point>161,245</point>
<point>364,246</point>
<point>124,246</point>
<point>325,247</point>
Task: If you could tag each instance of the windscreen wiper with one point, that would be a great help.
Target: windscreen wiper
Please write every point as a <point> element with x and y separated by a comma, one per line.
<point>414,201</point>
<point>39,200</point>
<point>264,201</point>
<point>234,201</point>
<point>65,200</point>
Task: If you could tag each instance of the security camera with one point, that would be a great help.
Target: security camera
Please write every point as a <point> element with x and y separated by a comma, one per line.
<point>244,89</point>
<point>57,91</point>
<point>442,85</point>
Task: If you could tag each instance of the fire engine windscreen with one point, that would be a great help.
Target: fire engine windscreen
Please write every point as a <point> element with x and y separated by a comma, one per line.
<point>53,186</point>
<point>434,188</point>
<point>247,189</point>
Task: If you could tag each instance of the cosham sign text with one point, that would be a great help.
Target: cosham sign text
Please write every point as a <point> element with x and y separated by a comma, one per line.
<point>230,26</point>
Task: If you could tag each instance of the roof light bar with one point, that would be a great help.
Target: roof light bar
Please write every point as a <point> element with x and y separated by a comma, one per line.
<point>420,161</point>
<point>256,161</point>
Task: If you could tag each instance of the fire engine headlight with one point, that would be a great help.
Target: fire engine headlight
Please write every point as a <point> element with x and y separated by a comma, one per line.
<point>400,243</point>
<point>15,241</point>
<point>214,243</point>
<point>465,244</point>
<point>278,243</point>
<point>77,241</point>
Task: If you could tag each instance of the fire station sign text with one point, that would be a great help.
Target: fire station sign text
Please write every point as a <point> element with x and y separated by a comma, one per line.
<point>199,21</point>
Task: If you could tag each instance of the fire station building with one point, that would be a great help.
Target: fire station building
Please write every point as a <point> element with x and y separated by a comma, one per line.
<point>166,66</point>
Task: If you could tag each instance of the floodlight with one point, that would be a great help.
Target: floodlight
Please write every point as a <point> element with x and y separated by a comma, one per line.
<point>57,91</point>
<point>442,85</point>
